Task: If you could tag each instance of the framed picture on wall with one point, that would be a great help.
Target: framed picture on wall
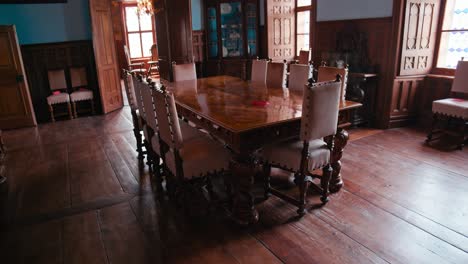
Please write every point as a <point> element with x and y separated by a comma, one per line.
<point>32,1</point>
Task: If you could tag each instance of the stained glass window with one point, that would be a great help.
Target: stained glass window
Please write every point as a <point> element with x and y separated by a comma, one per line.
<point>454,35</point>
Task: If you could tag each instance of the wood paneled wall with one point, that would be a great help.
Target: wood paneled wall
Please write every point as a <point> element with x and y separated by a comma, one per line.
<point>40,58</point>
<point>379,34</point>
<point>404,107</point>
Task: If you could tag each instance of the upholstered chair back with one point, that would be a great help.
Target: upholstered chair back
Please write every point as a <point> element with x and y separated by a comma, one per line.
<point>460,83</point>
<point>168,121</point>
<point>320,110</point>
<point>329,74</point>
<point>130,90</point>
<point>259,71</point>
<point>148,105</point>
<point>184,72</point>
<point>276,75</point>
<point>298,76</point>
<point>304,57</point>
<point>78,77</point>
<point>137,86</point>
<point>57,80</point>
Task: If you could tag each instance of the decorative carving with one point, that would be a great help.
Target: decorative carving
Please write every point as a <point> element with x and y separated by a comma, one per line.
<point>287,52</point>
<point>277,10</point>
<point>422,62</point>
<point>277,52</point>
<point>412,26</point>
<point>427,26</point>
<point>409,63</point>
<point>287,31</point>
<point>277,31</point>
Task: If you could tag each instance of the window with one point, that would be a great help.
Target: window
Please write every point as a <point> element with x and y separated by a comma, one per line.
<point>303,20</point>
<point>140,32</point>
<point>454,34</point>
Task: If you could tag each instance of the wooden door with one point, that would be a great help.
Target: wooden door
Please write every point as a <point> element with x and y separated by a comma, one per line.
<point>106,58</point>
<point>281,29</point>
<point>419,36</point>
<point>15,101</point>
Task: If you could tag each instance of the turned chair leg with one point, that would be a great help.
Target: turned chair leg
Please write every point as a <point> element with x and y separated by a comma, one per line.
<point>51,110</point>
<point>92,107</point>
<point>70,115</point>
<point>464,139</point>
<point>433,127</point>
<point>74,110</point>
<point>325,182</point>
<point>266,180</point>
<point>304,184</point>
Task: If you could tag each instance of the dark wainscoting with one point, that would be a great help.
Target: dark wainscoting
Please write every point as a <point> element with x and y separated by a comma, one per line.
<point>39,58</point>
<point>379,35</point>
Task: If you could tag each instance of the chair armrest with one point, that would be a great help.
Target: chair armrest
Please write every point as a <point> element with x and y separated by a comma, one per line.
<point>153,62</point>
<point>137,64</point>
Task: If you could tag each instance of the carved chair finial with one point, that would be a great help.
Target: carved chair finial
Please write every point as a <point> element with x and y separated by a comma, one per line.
<point>338,78</point>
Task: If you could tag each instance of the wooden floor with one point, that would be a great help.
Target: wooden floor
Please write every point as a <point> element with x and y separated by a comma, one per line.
<point>77,195</point>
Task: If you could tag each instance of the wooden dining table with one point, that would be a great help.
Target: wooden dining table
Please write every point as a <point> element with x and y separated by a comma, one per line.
<point>245,116</point>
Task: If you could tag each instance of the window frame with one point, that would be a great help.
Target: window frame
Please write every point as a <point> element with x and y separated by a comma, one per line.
<point>440,30</point>
<point>312,20</point>
<point>127,32</point>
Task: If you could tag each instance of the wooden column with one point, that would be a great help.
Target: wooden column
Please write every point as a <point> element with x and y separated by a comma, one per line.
<point>174,34</point>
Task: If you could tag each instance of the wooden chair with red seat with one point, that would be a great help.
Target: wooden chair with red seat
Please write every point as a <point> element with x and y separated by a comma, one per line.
<point>81,92</point>
<point>312,150</point>
<point>184,72</point>
<point>59,88</point>
<point>276,74</point>
<point>453,110</point>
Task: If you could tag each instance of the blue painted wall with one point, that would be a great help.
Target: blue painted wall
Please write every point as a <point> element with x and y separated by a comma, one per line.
<point>197,15</point>
<point>44,23</point>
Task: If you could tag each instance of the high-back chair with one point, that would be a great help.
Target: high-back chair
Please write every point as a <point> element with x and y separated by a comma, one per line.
<point>299,75</point>
<point>276,74</point>
<point>184,72</point>
<point>259,71</point>
<point>151,131</point>
<point>81,92</point>
<point>326,73</point>
<point>58,86</point>
<point>304,57</point>
<point>136,67</point>
<point>313,149</point>
<point>455,109</point>
<point>131,97</point>
<point>153,64</point>
<point>188,159</point>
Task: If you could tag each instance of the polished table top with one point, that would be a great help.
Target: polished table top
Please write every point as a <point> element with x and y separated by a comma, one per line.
<point>239,105</point>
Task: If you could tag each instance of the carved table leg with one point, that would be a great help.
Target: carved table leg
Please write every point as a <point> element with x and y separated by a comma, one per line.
<point>341,139</point>
<point>242,180</point>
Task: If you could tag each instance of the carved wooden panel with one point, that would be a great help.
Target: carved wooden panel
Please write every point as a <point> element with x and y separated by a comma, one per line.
<point>106,58</point>
<point>419,36</point>
<point>281,29</point>
<point>405,99</point>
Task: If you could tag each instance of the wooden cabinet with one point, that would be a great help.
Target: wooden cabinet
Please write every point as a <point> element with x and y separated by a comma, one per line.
<point>231,36</point>
<point>174,34</point>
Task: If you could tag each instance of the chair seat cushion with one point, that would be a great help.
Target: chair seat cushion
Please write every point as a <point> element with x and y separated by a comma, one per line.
<point>451,107</point>
<point>81,95</point>
<point>58,98</point>
<point>287,154</point>
<point>200,156</point>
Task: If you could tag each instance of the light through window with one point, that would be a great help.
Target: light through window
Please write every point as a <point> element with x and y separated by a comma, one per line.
<point>303,15</point>
<point>140,33</point>
<point>454,34</point>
